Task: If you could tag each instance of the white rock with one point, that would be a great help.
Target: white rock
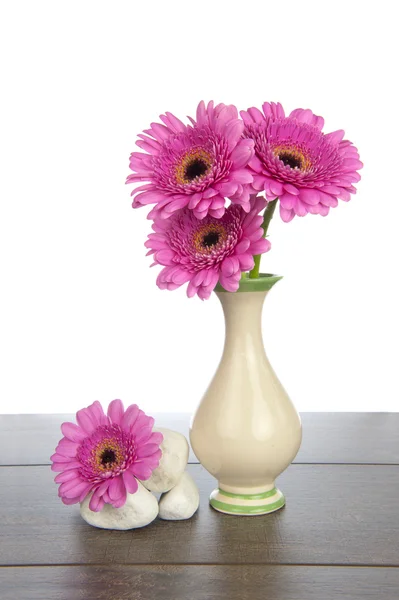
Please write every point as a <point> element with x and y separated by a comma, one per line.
<point>174,459</point>
<point>181,502</point>
<point>140,509</point>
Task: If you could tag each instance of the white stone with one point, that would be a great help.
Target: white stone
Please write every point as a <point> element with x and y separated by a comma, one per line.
<point>181,502</point>
<point>140,509</point>
<point>174,460</point>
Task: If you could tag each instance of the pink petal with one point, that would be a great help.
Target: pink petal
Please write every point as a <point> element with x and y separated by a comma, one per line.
<point>116,411</point>
<point>201,115</point>
<point>74,491</point>
<point>230,266</point>
<point>273,110</point>
<point>300,209</point>
<point>209,193</point>
<point>352,163</point>
<point>66,476</point>
<point>86,421</point>
<point>159,132</point>
<point>146,450</point>
<point>242,246</point>
<point>287,201</point>
<point>217,213</point>
<point>242,176</point>
<point>335,136</point>
<point>260,246</point>
<point>121,500</point>
<point>227,189</point>
<point>256,115</point>
<point>173,122</point>
<point>96,502</point>
<point>145,198</point>
<point>143,435</point>
<point>130,416</point>
<point>69,501</point>
<point>291,189</point>
<point>343,195</point>
<point>97,414</point>
<point>194,200</point>
<point>179,276</point>
<point>230,284</point>
<point>63,465</point>
<point>307,116</point>
<point>116,488</point>
<point>246,261</point>
<point>286,214</point>
<point>331,189</point>
<point>276,188</point>
<point>256,165</point>
<point>142,421</point>
<point>309,196</point>
<point>155,438</point>
<point>60,458</point>
<point>165,257</point>
<point>67,448</point>
<point>130,482</point>
<point>141,470</point>
<point>242,153</point>
<point>233,131</point>
<point>84,493</point>
<point>73,432</point>
<point>328,200</point>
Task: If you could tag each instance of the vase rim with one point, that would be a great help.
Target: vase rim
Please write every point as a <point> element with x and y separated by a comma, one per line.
<point>263,283</point>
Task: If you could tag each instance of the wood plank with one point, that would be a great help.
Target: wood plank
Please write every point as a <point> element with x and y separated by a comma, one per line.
<point>199,583</point>
<point>344,438</point>
<point>335,515</point>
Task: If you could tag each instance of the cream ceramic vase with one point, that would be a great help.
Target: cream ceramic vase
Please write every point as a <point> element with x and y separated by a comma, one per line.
<point>246,430</point>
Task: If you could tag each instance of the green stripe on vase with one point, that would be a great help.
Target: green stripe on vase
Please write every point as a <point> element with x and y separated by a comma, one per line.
<point>249,496</point>
<point>247,510</point>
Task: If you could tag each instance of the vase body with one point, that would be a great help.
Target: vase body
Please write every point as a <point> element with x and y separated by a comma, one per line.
<point>246,430</point>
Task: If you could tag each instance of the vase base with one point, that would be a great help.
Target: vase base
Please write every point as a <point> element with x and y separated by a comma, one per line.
<point>248,505</point>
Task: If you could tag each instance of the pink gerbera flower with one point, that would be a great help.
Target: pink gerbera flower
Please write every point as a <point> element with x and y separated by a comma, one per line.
<point>205,252</point>
<point>308,170</point>
<point>196,165</point>
<point>103,454</point>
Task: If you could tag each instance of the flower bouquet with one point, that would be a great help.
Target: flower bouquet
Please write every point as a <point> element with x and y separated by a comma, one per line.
<point>214,185</point>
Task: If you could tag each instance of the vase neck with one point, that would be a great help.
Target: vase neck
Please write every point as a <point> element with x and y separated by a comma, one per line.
<point>243,316</point>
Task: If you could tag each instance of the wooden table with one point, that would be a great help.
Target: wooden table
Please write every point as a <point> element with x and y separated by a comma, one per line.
<point>337,537</point>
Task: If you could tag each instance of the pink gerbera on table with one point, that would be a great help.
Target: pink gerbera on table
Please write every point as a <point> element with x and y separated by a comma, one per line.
<point>205,252</point>
<point>104,454</point>
<point>196,166</point>
<point>294,161</point>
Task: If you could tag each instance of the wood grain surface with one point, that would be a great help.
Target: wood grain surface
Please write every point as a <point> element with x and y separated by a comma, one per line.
<point>344,438</point>
<point>199,583</point>
<point>335,515</point>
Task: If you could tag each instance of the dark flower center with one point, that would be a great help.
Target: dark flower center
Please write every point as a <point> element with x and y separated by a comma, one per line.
<point>196,168</point>
<point>108,457</point>
<point>289,160</point>
<point>210,239</point>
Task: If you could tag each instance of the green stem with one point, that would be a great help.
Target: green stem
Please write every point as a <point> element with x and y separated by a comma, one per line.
<point>267,217</point>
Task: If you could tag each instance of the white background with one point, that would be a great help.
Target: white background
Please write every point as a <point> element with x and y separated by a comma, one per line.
<point>81,317</point>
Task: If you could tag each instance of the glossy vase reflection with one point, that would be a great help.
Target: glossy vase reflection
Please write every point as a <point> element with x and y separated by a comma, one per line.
<point>246,430</point>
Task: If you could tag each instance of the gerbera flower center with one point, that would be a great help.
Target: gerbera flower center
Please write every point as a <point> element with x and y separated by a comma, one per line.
<point>210,239</point>
<point>193,166</point>
<point>208,236</point>
<point>290,161</point>
<point>108,457</point>
<point>196,168</point>
<point>292,157</point>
